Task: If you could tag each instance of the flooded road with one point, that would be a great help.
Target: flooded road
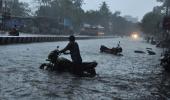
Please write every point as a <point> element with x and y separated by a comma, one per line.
<point>129,77</point>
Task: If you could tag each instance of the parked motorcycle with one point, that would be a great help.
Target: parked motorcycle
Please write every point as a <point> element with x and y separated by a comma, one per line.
<point>114,51</point>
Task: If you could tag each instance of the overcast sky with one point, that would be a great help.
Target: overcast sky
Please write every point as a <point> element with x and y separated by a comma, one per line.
<point>135,8</point>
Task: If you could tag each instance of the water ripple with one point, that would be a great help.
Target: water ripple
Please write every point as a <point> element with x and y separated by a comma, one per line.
<point>128,77</point>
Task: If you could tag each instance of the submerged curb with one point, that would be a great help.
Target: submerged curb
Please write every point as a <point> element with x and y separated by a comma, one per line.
<point>19,40</point>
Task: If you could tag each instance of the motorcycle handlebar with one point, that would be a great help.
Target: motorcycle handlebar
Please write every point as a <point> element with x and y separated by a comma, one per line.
<point>66,53</point>
<point>59,53</point>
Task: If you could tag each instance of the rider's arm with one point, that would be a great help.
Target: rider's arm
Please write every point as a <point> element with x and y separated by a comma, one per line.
<point>66,48</point>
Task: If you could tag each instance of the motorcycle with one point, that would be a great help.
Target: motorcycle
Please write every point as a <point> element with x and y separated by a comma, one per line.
<point>165,61</point>
<point>113,50</point>
<point>61,64</point>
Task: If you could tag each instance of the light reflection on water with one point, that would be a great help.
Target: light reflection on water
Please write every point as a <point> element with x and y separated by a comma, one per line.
<point>130,77</point>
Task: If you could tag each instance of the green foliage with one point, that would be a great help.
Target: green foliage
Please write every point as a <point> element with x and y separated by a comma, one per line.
<point>104,10</point>
<point>72,10</point>
<point>151,22</point>
<point>166,3</point>
<point>92,17</point>
<point>19,8</point>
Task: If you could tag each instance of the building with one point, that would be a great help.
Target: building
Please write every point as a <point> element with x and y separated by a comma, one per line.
<point>92,30</point>
<point>131,19</point>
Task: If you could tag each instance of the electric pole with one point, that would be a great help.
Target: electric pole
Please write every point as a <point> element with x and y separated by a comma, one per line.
<point>1,6</point>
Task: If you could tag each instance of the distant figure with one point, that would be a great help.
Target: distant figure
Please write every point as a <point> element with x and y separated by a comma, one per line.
<point>152,39</point>
<point>73,47</point>
<point>153,42</point>
<point>14,32</point>
<point>148,39</point>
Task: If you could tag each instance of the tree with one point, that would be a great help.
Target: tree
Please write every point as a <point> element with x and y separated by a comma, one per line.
<point>62,9</point>
<point>165,6</point>
<point>166,3</point>
<point>105,15</point>
<point>72,10</point>
<point>104,10</point>
<point>150,22</point>
<point>92,17</point>
<point>78,3</point>
<point>117,13</point>
<point>19,8</point>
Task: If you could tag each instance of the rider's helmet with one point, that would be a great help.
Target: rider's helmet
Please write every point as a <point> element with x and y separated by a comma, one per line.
<point>71,38</point>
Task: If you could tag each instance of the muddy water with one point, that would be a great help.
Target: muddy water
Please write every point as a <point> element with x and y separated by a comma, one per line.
<point>128,77</point>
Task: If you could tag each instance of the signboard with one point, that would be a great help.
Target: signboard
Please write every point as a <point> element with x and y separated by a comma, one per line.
<point>11,23</point>
<point>67,22</point>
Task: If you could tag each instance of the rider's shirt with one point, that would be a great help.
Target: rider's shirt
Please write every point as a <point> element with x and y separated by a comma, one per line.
<point>74,51</point>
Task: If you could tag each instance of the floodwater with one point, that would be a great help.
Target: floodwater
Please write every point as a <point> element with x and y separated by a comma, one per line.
<point>129,77</point>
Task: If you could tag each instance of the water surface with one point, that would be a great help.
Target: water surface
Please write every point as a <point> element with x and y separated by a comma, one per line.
<point>128,77</point>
